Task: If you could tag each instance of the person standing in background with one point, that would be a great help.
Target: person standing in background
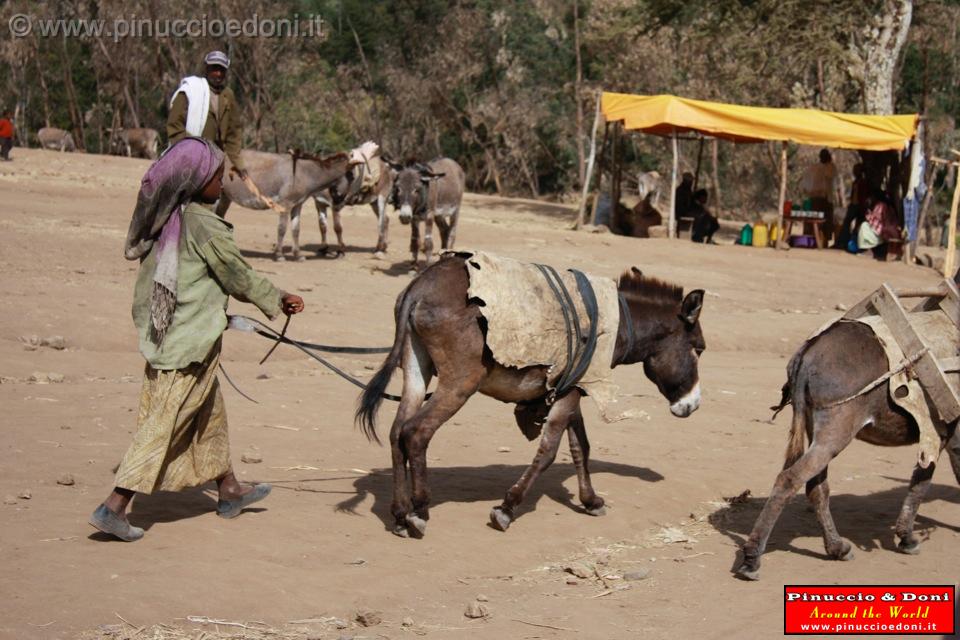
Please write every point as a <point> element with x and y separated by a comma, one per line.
<point>684,196</point>
<point>704,222</point>
<point>820,184</point>
<point>6,135</point>
<point>207,108</point>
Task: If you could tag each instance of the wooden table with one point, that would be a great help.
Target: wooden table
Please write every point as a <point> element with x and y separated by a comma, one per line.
<point>789,219</point>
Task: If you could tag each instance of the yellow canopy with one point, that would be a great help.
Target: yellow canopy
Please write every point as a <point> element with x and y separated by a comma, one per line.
<point>662,115</point>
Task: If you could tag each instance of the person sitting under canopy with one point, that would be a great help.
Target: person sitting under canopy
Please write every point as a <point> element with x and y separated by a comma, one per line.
<point>705,224</point>
<point>879,226</point>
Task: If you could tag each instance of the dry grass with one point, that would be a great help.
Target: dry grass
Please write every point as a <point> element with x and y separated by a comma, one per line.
<point>204,628</point>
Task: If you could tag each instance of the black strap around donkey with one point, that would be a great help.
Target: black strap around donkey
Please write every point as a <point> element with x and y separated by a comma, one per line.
<point>580,348</point>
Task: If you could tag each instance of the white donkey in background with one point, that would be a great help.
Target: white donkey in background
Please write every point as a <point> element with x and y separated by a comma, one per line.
<point>283,182</point>
<point>370,181</point>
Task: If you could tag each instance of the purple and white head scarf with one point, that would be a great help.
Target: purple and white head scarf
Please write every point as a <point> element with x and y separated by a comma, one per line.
<point>169,184</point>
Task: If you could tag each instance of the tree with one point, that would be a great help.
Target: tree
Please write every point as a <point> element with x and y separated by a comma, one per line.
<point>875,53</point>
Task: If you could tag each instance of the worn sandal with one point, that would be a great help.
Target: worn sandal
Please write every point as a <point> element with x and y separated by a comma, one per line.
<point>112,524</point>
<point>232,508</point>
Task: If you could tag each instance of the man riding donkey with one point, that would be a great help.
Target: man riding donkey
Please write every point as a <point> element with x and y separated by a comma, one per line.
<point>189,267</point>
<point>206,108</point>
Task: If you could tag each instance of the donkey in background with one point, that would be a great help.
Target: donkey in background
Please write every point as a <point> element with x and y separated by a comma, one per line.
<point>348,192</point>
<point>288,180</point>
<point>440,331</point>
<point>140,142</point>
<point>56,139</point>
<point>428,193</point>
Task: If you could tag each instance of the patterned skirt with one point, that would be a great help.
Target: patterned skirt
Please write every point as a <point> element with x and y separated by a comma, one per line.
<point>181,439</point>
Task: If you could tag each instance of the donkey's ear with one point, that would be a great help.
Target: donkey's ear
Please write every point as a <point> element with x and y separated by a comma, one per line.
<point>429,176</point>
<point>690,309</point>
<point>635,271</point>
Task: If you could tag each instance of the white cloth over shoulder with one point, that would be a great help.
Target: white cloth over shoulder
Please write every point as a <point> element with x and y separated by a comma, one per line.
<point>198,103</point>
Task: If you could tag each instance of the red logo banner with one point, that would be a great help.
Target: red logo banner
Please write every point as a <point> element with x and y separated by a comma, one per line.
<point>869,610</point>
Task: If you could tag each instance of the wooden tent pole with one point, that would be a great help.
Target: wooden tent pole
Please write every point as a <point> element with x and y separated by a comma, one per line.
<point>696,174</point>
<point>672,225</point>
<point>582,211</point>
<point>924,206</point>
<point>615,170</point>
<point>783,191</point>
<point>949,263</point>
<point>602,165</point>
<point>718,202</point>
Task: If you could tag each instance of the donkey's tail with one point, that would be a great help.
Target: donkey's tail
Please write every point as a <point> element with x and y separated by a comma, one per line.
<point>793,372</point>
<point>372,396</point>
<point>794,392</point>
<point>796,442</point>
<point>786,397</point>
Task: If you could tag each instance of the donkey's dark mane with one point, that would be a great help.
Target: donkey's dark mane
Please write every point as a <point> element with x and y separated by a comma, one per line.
<point>637,288</point>
<point>329,161</point>
<point>324,161</point>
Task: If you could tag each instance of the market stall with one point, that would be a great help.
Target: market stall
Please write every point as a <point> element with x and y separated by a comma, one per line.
<point>675,117</point>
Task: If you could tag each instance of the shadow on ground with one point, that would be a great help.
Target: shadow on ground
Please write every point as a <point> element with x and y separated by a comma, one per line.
<point>489,483</point>
<point>309,252</point>
<point>170,506</point>
<point>397,269</point>
<point>867,521</point>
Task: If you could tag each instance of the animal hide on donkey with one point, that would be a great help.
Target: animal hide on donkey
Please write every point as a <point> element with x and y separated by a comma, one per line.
<point>525,325</point>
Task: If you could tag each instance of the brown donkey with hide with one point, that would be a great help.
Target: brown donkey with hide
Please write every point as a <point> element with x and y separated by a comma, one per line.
<point>441,331</point>
<point>820,378</point>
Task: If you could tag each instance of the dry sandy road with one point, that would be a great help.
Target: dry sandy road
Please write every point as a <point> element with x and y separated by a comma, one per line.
<point>319,548</point>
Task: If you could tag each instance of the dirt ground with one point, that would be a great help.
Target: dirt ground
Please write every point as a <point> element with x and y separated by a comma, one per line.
<point>318,550</point>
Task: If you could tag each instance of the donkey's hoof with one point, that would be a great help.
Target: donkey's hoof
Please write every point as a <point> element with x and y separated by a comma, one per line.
<point>400,530</point>
<point>846,553</point>
<point>597,511</point>
<point>416,525</point>
<point>299,258</point>
<point>909,547</point>
<point>278,257</point>
<point>746,572</point>
<point>842,550</point>
<point>500,519</point>
<point>379,255</point>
